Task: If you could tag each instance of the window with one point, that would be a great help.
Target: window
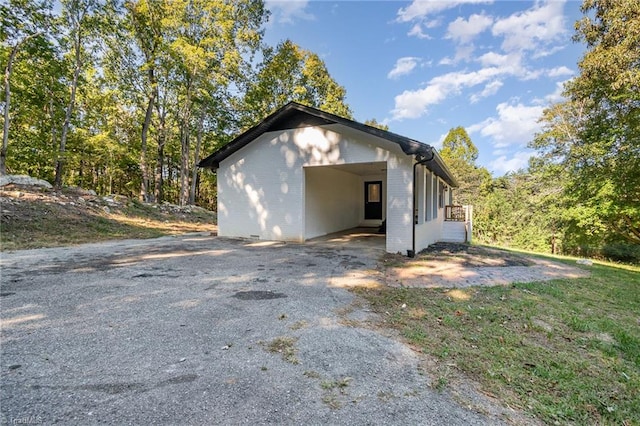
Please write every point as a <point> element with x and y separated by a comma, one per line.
<point>441,195</point>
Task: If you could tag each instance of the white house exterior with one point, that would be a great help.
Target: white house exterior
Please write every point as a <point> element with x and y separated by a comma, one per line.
<point>303,173</point>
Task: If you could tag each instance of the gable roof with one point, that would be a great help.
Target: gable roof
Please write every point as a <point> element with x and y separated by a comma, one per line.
<point>294,115</point>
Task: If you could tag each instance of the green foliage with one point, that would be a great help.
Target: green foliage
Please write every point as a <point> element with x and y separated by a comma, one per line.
<point>460,155</point>
<point>591,142</point>
<point>517,210</point>
<point>290,73</point>
<point>158,84</point>
<point>374,123</point>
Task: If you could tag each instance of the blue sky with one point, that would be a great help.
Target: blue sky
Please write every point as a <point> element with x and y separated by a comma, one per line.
<point>423,67</point>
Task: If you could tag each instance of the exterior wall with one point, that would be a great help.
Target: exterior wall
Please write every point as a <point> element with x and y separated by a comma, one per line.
<point>430,227</point>
<point>261,188</point>
<point>333,201</point>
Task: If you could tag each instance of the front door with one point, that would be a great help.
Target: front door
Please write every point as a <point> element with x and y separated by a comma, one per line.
<point>373,200</point>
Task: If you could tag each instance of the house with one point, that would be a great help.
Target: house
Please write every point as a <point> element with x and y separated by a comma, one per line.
<point>303,173</point>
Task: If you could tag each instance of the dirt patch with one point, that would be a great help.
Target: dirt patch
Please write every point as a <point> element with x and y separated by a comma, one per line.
<point>474,256</point>
<point>461,265</point>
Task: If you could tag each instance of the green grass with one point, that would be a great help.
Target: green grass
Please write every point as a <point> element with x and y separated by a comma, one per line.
<point>565,351</point>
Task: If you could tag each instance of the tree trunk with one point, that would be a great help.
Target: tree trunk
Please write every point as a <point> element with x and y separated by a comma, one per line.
<point>184,163</point>
<point>144,167</point>
<point>67,117</point>
<point>196,156</point>
<point>162,139</point>
<point>7,101</point>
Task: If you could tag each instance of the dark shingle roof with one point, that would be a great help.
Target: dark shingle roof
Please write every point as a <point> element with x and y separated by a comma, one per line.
<point>294,115</point>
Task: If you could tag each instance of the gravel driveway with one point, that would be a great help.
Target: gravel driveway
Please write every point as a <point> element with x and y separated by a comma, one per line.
<point>203,330</point>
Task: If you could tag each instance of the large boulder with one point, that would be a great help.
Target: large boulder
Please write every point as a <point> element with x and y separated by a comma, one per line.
<point>23,180</point>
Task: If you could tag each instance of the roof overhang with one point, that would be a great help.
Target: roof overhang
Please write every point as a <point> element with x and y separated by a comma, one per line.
<point>294,115</point>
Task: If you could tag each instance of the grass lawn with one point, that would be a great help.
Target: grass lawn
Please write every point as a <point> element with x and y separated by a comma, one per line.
<point>565,351</point>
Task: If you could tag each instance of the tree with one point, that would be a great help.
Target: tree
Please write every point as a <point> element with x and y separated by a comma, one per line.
<point>82,21</point>
<point>460,155</point>
<point>24,22</point>
<point>290,73</point>
<point>374,123</point>
<point>595,133</point>
<point>210,40</point>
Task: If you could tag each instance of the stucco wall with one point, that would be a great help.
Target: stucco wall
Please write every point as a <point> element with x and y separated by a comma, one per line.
<point>261,188</point>
<point>332,201</point>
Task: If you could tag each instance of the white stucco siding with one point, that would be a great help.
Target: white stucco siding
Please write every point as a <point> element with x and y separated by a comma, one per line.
<point>261,187</point>
<point>332,201</point>
<point>261,193</point>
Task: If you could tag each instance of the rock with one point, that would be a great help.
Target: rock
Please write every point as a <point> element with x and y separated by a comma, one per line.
<point>106,209</point>
<point>23,180</point>
<point>584,262</point>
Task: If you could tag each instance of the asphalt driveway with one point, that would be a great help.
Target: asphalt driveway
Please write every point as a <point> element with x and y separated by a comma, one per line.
<point>203,330</point>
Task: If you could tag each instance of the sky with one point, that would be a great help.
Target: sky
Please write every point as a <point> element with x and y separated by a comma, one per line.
<point>423,67</point>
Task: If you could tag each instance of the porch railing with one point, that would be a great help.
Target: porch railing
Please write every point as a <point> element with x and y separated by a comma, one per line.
<point>455,213</point>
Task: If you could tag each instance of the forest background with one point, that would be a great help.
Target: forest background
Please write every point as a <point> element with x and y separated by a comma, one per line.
<point>126,97</point>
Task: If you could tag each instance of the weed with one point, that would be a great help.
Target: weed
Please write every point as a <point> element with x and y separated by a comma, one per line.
<point>286,347</point>
<point>332,401</point>
<point>298,325</point>
<point>312,374</point>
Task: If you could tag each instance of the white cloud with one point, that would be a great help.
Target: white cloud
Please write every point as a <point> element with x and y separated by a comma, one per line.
<point>416,31</point>
<point>559,72</point>
<point>489,59</point>
<point>464,31</point>
<point>515,124</point>
<point>286,11</point>
<point>527,30</point>
<point>502,164</point>
<point>413,104</point>
<point>463,53</point>
<point>403,67</point>
<point>420,9</point>
<point>489,90</point>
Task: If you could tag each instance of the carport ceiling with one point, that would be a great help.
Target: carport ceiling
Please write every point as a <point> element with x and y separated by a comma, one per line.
<point>362,169</point>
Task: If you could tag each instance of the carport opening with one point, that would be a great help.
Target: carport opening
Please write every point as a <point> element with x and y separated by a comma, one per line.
<point>346,202</point>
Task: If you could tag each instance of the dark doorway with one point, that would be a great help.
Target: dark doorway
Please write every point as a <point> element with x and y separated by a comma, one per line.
<point>373,200</point>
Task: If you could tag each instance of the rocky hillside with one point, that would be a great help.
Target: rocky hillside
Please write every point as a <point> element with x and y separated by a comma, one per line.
<point>34,215</point>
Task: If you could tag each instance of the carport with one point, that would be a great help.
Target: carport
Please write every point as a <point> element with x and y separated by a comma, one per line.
<point>343,197</point>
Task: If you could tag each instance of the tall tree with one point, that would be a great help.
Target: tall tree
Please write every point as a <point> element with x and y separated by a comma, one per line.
<point>460,154</point>
<point>595,133</point>
<point>144,21</point>
<point>23,21</point>
<point>290,73</point>
<point>81,22</point>
<point>210,42</point>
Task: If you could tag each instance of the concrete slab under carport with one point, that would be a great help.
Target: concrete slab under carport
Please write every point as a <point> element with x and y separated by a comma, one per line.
<point>360,237</point>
